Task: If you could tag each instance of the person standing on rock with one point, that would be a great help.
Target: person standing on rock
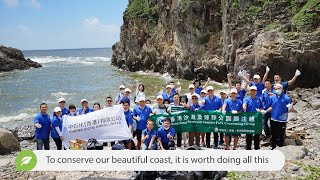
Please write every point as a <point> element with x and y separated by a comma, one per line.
<point>266,101</point>
<point>168,94</point>
<point>42,124</point>
<point>253,103</point>
<point>212,102</point>
<point>128,115</point>
<point>85,108</point>
<point>241,92</point>
<point>256,81</point>
<point>285,84</point>
<point>125,96</point>
<point>191,91</point>
<point>56,133</point>
<point>139,92</point>
<point>233,105</point>
<point>72,110</point>
<point>141,115</point>
<point>281,104</point>
<point>96,107</point>
<point>121,93</point>
<point>198,87</point>
<point>160,107</point>
<point>64,110</point>
<point>108,102</point>
<point>194,107</point>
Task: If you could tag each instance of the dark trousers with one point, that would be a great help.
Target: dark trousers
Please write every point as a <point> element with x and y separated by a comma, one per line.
<point>58,143</point>
<point>215,139</point>
<point>221,137</point>
<point>278,132</point>
<point>266,127</point>
<point>179,139</point>
<point>256,139</point>
<point>168,145</point>
<point>43,142</point>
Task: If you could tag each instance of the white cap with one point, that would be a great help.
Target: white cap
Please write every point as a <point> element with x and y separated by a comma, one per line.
<point>57,109</point>
<point>256,76</point>
<point>159,97</point>
<point>122,87</point>
<point>252,88</point>
<point>84,100</point>
<point>204,91</point>
<point>223,91</point>
<point>61,99</point>
<point>191,86</point>
<point>233,91</point>
<point>210,88</point>
<point>127,90</point>
<point>195,94</point>
<point>168,86</point>
<point>142,98</point>
<point>278,85</point>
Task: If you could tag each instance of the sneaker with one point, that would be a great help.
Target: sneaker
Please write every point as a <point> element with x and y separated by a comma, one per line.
<point>215,147</point>
<point>227,148</point>
<point>221,142</point>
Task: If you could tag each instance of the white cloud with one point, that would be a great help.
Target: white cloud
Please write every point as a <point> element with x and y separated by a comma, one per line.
<point>23,28</point>
<point>35,3</point>
<point>94,24</point>
<point>11,2</point>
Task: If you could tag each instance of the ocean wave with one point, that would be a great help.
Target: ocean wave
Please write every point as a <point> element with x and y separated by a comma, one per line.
<point>69,60</point>
<point>19,117</point>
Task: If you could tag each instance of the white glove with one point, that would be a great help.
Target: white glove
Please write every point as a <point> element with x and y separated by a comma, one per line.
<point>240,73</point>
<point>178,83</point>
<point>138,118</point>
<point>263,111</point>
<point>298,73</point>
<point>146,136</point>
<point>209,79</point>
<point>267,69</point>
<point>216,110</point>
<point>258,110</point>
<point>168,135</point>
<point>234,112</point>
<point>289,106</point>
<point>38,125</point>
<point>224,112</point>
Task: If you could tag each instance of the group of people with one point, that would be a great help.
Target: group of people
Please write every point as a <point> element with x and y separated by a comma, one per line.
<point>263,96</point>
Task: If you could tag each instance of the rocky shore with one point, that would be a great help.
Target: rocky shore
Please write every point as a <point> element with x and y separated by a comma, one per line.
<point>302,149</point>
<point>12,58</point>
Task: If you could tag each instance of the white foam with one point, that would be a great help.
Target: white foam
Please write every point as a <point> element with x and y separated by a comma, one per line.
<point>19,117</point>
<point>69,60</point>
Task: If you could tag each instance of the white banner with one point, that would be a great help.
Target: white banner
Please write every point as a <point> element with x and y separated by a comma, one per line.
<point>105,125</point>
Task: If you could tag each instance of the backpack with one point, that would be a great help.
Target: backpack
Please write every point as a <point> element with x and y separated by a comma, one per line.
<point>93,144</point>
<point>118,146</point>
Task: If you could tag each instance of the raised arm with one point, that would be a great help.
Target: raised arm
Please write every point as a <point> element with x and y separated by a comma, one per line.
<point>207,83</point>
<point>298,73</point>
<point>137,86</point>
<point>229,81</point>
<point>243,77</point>
<point>266,74</point>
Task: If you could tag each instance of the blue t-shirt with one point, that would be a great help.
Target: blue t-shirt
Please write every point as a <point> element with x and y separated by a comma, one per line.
<point>252,104</point>
<point>266,100</point>
<point>165,96</point>
<point>64,111</point>
<point>56,122</point>
<point>173,92</point>
<point>128,116</point>
<point>44,131</point>
<point>279,110</point>
<point>124,99</point>
<point>151,134</point>
<point>212,104</point>
<point>144,116</point>
<point>284,85</point>
<point>87,111</point>
<point>193,107</point>
<point>162,133</point>
<point>233,105</point>
<point>260,87</point>
<point>241,94</point>
<point>198,90</point>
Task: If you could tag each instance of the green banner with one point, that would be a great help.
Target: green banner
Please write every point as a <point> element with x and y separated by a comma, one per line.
<point>212,121</point>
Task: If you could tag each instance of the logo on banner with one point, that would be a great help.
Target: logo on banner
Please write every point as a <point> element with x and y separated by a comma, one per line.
<point>26,160</point>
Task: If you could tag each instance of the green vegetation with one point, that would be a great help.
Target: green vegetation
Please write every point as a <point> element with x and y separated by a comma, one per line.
<point>237,175</point>
<point>307,19</point>
<point>143,9</point>
<point>271,26</point>
<point>314,172</point>
<point>235,3</point>
<point>255,9</point>
<point>185,4</point>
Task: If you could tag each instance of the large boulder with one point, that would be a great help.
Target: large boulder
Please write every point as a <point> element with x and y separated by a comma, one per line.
<point>25,132</point>
<point>12,58</point>
<point>8,142</point>
<point>292,152</point>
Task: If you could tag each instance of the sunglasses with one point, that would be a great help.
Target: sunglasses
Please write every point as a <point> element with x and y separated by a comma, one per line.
<point>109,101</point>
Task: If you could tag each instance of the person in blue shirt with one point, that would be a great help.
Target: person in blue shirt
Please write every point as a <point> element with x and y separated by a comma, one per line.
<point>56,133</point>
<point>85,108</point>
<point>64,110</point>
<point>168,94</point>
<point>286,84</point>
<point>72,110</point>
<point>240,92</point>
<point>128,115</point>
<point>198,87</point>
<point>281,104</point>
<point>165,135</point>
<point>125,97</point>
<point>266,101</point>
<point>121,93</point>
<point>141,115</point>
<point>234,106</point>
<point>149,136</point>
<point>42,125</point>
<point>194,107</point>
<point>252,103</point>
<point>257,81</point>
<point>212,102</point>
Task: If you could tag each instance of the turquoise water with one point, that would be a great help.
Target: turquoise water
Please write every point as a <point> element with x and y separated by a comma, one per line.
<point>72,74</point>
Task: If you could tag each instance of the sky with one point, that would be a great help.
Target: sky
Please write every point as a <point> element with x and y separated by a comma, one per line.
<point>60,24</point>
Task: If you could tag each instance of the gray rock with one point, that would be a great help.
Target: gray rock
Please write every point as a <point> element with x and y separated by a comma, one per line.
<point>314,101</point>
<point>292,152</point>
<point>25,132</point>
<point>8,143</point>
<point>46,177</point>
<point>295,168</point>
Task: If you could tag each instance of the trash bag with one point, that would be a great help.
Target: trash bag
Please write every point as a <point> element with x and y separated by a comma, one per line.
<point>93,144</point>
<point>118,146</point>
<point>145,175</point>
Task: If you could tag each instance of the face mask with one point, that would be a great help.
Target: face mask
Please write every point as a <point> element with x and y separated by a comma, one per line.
<point>278,92</point>
<point>166,128</point>
<point>122,91</point>
<point>172,86</point>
